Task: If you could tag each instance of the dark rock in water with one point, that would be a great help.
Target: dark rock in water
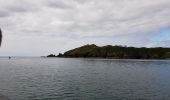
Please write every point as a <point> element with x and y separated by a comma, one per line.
<point>60,55</point>
<point>51,55</point>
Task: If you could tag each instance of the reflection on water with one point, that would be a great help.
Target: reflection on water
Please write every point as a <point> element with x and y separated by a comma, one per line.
<point>84,79</point>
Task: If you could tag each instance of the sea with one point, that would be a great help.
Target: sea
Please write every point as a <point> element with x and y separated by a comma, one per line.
<point>40,78</point>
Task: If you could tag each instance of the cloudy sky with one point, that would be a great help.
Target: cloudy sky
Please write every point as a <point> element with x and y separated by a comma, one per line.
<point>40,27</point>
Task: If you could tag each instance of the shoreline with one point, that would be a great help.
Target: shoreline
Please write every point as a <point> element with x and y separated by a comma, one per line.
<point>111,58</point>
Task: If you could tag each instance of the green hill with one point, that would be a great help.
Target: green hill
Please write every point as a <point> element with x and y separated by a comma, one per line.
<point>120,52</point>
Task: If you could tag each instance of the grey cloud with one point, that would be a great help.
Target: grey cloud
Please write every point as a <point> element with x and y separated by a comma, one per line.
<point>58,4</point>
<point>91,17</point>
<point>21,8</point>
<point>4,13</point>
<point>9,8</point>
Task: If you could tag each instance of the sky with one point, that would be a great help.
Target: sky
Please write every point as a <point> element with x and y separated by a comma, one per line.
<point>42,27</point>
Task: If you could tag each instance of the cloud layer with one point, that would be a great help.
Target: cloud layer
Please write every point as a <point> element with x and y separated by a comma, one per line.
<point>59,25</point>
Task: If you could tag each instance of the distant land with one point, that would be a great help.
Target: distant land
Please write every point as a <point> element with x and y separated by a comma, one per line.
<point>116,52</point>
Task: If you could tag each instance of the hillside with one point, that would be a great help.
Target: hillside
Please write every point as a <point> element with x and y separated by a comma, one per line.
<point>119,52</point>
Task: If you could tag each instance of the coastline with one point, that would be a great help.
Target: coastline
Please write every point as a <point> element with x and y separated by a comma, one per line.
<point>109,58</point>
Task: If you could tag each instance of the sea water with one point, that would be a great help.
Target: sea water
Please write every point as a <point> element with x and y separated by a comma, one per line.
<point>84,79</point>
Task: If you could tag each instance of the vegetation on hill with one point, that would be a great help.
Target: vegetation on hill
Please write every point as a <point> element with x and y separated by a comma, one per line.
<point>118,52</point>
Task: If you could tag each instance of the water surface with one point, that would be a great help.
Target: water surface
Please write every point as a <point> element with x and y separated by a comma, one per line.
<point>84,79</point>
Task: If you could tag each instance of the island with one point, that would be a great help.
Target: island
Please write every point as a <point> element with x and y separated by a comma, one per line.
<point>116,52</point>
<point>53,55</point>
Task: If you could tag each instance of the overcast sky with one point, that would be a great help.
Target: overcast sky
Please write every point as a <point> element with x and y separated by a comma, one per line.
<point>41,27</point>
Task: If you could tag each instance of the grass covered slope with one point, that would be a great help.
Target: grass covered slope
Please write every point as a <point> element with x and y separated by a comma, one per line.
<point>119,52</point>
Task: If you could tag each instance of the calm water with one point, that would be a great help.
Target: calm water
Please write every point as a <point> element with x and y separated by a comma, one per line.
<point>84,79</point>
